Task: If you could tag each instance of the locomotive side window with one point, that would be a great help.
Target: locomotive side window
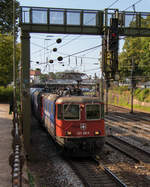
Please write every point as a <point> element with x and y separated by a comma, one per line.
<point>93,111</point>
<point>59,111</point>
<point>71,112</point>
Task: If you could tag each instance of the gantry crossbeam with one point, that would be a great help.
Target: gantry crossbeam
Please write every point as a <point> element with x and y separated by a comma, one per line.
<point>66,21</point>
<point>78,21</point>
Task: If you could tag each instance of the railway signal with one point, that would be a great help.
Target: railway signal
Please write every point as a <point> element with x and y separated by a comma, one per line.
<point>113,35</point>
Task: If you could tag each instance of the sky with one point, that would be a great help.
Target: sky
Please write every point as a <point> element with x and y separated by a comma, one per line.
<point>87,62</point>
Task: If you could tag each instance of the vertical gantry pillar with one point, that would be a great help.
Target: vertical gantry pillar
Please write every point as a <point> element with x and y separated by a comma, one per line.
<point>25,89</point>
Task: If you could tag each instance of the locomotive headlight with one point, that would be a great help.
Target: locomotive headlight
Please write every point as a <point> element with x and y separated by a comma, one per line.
<point>68,133</point>
<point>97,132</point>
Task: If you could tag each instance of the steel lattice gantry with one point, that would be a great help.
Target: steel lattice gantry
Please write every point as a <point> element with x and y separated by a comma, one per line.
<point>78,21</point>
<point>68,21</point>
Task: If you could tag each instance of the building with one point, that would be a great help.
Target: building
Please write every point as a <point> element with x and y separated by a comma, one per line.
<point>35,76</point>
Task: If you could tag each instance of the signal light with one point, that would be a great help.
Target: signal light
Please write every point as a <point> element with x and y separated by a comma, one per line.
<point>113,35</point>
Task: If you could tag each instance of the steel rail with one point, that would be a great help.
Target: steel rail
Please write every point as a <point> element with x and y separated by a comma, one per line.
<point>114,177</point>
<point>129,154</point>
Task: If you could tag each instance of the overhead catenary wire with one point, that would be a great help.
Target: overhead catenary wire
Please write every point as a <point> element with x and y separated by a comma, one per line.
<point>82,57</point>
<point>93,48</point>
<point>67,43</point>
<point>84,50</point>
<point>80,35</point>
<point>113,3</point>
<point>74,54</point>
<point>47,46</point>
<point>77,36</point>
<point>133,5</point>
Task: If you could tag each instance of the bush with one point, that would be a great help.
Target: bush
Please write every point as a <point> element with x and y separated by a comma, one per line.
<point>137,91</point>
<point>120,89</point>
<point>6,94</point>
<point>142,94</point>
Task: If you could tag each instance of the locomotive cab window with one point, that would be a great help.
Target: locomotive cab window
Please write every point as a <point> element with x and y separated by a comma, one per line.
<point>93,111</point>
<point>71,112</point>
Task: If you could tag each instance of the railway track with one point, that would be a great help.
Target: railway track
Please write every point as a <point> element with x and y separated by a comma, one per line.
<point>103,172</point>
<point>126,112</point>
<point>94,174</point>
<point>136,153</point>
<point>128,125</point>
<point>127,173</point>
<point>133,118</point>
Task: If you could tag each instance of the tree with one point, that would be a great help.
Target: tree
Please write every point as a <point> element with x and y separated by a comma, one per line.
<point>44,77</point>
<point>136,49</point>
<point>6,15</point>
<point>52,75</point>
<point>6,59</point>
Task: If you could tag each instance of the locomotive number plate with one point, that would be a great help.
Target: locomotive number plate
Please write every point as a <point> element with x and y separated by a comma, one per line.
<point>86,133</point>
<point>83,133</point>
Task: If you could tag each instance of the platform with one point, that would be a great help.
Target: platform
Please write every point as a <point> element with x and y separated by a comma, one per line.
<point>5,145</point>
<point>6,138</point>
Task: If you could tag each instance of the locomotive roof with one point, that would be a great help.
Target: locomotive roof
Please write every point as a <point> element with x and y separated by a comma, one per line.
<point>50,96</point>
<point>78,99</point>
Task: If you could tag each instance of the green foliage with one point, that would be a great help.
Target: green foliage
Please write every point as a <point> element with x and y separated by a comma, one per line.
<point>6,94</point>
<point>121,89</point>
<point>136,50</point>
<point>43,77</point>
<point>139,94</point>
<point>124,99</point>
<point>31,180</point>
<point>52,75</point>
<point>6,59</point>
<point>142,94</point>
<point>137,91</point>
<point>6,15</point>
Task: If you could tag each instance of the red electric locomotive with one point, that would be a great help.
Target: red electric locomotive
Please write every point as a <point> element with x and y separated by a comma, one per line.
<point>75,122</point>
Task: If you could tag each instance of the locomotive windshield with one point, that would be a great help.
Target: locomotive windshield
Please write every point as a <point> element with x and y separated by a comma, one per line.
<point>93,111</point>
<point>71,112</point>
